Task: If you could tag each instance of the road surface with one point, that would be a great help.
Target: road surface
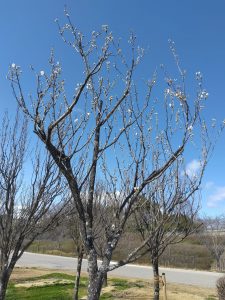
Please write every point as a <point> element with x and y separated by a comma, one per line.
<point>198,278</point>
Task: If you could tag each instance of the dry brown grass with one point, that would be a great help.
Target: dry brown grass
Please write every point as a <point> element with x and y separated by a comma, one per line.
<point>43,282</point>
<point>25,273</point>
<point>174,292</point>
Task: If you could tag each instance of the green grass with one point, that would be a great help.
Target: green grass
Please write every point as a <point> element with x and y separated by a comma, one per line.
<point>60,286</point>
<point>120,284</point>
<point>48,276</point>
<point>57,291</point>
<point>106,296</point>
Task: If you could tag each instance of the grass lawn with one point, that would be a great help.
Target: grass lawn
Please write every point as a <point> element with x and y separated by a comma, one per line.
<point>38,284</point>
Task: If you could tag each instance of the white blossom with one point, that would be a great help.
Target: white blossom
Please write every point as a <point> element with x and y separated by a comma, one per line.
<point>167,92</point>
<point>57,70</point>
<point>203,94</point>
<point>13,65</point>
<point>198,75</point>
<point>105,28</point>
<point>89,86</point>
<point>42,73</point>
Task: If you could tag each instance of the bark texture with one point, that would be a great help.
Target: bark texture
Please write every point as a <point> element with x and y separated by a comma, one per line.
<point>155,265</point>
<point>77,280</point>
<point>4,280</point>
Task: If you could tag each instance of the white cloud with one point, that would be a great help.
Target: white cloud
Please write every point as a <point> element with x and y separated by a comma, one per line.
<point>208,185</point>
<point>216,197</point>
<point>193,168</point>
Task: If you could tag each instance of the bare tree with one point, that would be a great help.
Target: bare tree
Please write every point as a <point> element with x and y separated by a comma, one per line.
<point>27,209</point>
<point>109,131</point>
<point>167,213</point>
<point>213,237</point>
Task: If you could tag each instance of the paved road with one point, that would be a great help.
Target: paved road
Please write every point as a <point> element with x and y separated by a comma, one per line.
<point>199,278</point>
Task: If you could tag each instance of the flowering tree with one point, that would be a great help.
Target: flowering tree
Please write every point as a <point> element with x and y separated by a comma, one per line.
<point>109,131</point>
<point>27,209</point>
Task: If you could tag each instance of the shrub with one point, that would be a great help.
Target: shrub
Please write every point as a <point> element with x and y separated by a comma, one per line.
<point>220,285</point>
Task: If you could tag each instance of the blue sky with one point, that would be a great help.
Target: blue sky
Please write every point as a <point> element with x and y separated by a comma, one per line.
<point>28,32</point>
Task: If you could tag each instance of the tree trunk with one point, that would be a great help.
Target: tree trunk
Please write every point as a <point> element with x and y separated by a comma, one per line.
<point>155,266</point>
<point>95,277</point>
<point>95,287</point>
<point>105,280</point>
<point>77,280</point>
<point>4,280</point>
<point>218,263</point>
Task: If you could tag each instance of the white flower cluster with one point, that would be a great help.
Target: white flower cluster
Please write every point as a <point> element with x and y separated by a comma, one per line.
<point>168,92</point>
<point>15,68</point>
<point>179,94</point>
<point>78,86</point>
<point>57,70</point>
<point>105,28</point>
<point>67,26</point>
<point>198,76</point>
<point>203,94</point>
<point>89,86</point>
<point>109,38</point>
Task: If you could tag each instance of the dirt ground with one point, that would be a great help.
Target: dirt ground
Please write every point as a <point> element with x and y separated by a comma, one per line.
<point>174,292</point>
